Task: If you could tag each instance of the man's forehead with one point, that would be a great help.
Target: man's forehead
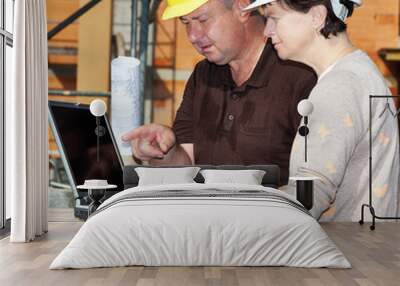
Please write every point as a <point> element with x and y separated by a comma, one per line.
<point>202,10</point>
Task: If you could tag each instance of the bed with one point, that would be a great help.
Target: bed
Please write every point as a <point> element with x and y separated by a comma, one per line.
<point>201,224</point>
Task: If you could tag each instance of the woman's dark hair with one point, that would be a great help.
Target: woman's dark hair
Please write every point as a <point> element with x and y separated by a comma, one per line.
<point>333,24</point>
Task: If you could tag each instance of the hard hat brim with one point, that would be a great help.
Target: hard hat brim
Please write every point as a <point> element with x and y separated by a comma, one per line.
<point>181,9</point>
<point>256,4</point>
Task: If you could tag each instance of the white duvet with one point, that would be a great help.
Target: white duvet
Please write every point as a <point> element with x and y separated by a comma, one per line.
<point>185,231</point>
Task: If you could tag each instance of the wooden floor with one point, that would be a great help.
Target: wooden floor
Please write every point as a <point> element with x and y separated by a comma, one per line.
<point>62,215</point>
<point>375,257</point>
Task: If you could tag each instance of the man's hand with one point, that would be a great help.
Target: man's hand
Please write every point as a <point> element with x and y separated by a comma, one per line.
<point>151,141</point>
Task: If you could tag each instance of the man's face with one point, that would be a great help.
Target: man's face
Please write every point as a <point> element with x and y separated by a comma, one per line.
<point>291,32</point>
<point>214,31</point>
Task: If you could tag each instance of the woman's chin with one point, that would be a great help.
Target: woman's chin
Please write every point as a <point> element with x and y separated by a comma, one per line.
<point>282,55</point>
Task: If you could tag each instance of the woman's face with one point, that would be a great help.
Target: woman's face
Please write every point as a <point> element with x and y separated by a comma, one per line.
<point>291,32</point>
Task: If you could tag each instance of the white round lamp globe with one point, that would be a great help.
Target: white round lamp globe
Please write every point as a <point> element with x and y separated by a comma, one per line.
<point>98,107</point>
<point>305,107</point>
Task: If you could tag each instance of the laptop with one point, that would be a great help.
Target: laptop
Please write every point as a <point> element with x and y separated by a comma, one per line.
<point>74,127</point>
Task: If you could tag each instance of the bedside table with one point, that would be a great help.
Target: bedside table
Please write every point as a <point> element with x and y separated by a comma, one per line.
<point>96,191</point>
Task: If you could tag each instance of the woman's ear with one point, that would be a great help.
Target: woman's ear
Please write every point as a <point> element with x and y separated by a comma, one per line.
<point>318,14</point>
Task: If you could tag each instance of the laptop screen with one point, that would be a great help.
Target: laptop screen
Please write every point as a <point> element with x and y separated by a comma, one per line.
<point>74,128</point>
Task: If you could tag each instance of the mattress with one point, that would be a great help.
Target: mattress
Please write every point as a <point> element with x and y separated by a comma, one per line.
<point>201,225</point>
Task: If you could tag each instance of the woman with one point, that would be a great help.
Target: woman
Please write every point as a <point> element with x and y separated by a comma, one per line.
<point>314,32</point>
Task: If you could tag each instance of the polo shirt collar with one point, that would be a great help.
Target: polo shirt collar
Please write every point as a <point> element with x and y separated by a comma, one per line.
<point>261,73</point>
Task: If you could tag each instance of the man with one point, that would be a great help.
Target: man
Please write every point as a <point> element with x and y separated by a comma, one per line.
<point>239,105</point>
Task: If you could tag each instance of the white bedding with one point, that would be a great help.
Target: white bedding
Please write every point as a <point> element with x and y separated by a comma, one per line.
<point>183,231</point>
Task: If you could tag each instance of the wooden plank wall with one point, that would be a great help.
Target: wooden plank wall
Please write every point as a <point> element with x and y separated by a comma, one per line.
<point>374,26</point>
<point>63,46</point>
<point>94,50</point>
<point>58,10</point>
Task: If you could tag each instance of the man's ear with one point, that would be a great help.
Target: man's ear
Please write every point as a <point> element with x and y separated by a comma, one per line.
<point>238,7</point>
<point>318,14</point>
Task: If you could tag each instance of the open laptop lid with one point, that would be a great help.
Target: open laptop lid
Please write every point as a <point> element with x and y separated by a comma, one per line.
<point>74,129</point>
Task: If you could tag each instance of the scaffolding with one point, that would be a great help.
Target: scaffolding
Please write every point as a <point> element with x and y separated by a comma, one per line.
<point>143,14</point>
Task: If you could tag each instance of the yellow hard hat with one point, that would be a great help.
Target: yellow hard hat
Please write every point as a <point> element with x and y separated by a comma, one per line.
<point>178,8</point>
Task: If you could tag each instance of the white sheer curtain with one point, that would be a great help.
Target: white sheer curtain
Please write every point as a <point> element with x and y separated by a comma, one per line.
<point>26,123</point>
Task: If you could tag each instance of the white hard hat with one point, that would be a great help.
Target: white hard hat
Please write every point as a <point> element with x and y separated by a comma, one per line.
<point>257,4</point>
<point>339,9</point>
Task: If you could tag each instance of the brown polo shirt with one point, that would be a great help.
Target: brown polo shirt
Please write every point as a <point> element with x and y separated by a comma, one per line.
<point>254,123</point>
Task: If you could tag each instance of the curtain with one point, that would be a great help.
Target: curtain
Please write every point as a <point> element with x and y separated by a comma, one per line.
<point>26,123</point>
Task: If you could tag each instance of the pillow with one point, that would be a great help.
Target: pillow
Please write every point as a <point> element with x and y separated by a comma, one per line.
<point>162,176</point>
<point>248,177</point>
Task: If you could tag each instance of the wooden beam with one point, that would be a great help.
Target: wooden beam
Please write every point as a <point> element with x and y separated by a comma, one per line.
<point>94,48</point>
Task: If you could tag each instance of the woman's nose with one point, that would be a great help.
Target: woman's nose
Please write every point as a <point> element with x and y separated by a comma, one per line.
<point>269,29</point>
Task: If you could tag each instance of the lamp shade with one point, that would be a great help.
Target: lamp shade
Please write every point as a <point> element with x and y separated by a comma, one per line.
<point>305,107</point>
<point>98,107</point>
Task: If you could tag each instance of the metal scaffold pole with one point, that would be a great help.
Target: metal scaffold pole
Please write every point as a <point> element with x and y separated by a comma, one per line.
<point>134,7</point>
<point>143,49</point>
